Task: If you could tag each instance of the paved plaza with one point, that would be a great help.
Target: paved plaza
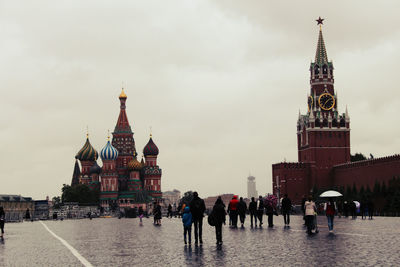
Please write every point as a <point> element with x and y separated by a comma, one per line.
<point>123,242</point>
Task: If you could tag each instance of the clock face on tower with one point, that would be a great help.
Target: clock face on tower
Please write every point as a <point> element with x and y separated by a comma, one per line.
<point>326,101</point>
<point>310,102</point>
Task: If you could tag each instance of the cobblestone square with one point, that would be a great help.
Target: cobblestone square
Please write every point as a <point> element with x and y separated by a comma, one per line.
<point>123,242</point>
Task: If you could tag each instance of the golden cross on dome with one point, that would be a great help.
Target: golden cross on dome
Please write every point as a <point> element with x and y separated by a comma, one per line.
<point>87,131</point>
<point>108,135</point>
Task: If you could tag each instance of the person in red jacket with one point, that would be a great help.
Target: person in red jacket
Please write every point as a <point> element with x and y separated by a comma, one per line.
<point>233,210</point>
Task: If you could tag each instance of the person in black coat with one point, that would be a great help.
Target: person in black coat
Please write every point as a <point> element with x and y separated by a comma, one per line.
<point>197,208</point>
<point>242,209</point>
<point>253,211</point>
<point>286,209</point>
<point>219,213</point>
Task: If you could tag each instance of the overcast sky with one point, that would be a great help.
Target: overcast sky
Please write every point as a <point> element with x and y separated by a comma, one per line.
<point>220,83</point>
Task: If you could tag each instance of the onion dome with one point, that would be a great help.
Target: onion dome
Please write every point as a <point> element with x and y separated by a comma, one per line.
<point>109,152</point>
<point>134,165</point>
<point>95,169</point>
<point>87,152</point>
<point>122,95</point>
<point>150,149</point>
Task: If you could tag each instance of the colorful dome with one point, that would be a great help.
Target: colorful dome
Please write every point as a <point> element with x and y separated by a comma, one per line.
<point>108,152</point>
<point>95,168</point>
<point>150,149</point>
<point>134,165</point>
<point>87,152</point>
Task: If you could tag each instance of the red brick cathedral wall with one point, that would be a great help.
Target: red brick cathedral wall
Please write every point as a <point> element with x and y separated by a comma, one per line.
<point>366,172</point>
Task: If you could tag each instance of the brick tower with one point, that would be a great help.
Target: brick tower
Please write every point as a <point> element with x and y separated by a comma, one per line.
<point>323,134</point>
<point>125,144</point>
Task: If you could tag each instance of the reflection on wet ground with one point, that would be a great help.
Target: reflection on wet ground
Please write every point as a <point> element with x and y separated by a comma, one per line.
<point>123,242</point>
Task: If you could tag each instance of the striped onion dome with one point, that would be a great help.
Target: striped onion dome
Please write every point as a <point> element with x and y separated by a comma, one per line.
<point>134,165</point>
<point>108,152</point>
<point>150,149</point>
<point>87,152</point>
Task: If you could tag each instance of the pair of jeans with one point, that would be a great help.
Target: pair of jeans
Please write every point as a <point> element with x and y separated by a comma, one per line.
<point>270,219</point>
<point>286,217</point>
<point>234,216</point>
<point>330,222</point>
<point>218,232</point>
<point>260,214</point>
<point>187,230</point>
<point>198,229</point>
<point>242,218</point>
<point>253,215</point>
<point>309,223</point>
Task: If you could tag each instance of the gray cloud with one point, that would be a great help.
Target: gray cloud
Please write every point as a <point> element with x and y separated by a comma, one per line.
<point>220,83</point>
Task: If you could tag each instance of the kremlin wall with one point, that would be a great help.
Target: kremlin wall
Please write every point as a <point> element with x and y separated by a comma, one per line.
<point>323,143</point>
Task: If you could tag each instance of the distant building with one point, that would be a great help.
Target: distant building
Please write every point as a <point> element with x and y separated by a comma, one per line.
<point>172,197</point>
<point>42,209</point>
<point>251,187</point>
<point>15,206</point>
<point>210,201</point>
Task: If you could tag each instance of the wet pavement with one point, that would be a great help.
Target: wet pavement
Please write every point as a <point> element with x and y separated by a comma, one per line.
<point>123,242</point>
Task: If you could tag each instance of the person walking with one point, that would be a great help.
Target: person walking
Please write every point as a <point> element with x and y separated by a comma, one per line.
<point>169,214</point>
<point>2,221</point>
<point>233,210</point>
<point>309,211</point>
<point>269,211</point>
<point>242,209</point>
<point>141,213</point>
<point>330,209</point>
<point>260,210</point>
<point>253,211</point>
<point>218,212</point>
<point>157,214</point>
<point>187,225</point>
<point>286,209</point>
<point>370,208</point>
<point>197,207</point>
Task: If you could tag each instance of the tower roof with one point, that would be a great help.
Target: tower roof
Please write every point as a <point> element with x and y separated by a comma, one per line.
<point>122,123</point>
<point>150,149</point>
<point>321,57</point>
<point>108,152</point>
<point>87,152</point>
<point>75,175</point>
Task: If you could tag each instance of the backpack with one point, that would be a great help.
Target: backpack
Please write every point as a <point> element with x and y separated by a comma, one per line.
<point>211,219</point>
<point>330,209</point>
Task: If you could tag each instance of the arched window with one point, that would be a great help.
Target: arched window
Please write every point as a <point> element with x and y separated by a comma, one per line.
<point>342,123</point>
<point>317,123</point>
<point>334,123</point>
<point>325,123</point>
<point>316,69</point>
<point>324,69</point>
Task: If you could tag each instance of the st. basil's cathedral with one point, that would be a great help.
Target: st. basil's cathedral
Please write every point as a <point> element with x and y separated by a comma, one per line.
<point>123,181</point>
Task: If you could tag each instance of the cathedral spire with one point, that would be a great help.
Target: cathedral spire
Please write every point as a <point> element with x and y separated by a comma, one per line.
<point>76,173</point>
<point>123,123</point>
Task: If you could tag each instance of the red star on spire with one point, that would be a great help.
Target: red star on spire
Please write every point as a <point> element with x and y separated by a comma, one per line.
<point>319,21</point>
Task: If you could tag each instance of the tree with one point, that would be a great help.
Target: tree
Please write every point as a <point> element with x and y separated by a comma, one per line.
<point>56,202</point>
<point>357,157</point>
<point>79,193</point>
<point>354,192</point>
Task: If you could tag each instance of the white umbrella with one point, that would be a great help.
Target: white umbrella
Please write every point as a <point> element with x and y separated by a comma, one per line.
<point>357,204</point>
<point>331,193</point>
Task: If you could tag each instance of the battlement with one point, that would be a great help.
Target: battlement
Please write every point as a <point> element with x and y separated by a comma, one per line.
<point>291,165</point>
<point>368,162</point>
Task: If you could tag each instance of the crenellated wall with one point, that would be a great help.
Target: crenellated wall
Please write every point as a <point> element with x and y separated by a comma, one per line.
<point>367,172</point>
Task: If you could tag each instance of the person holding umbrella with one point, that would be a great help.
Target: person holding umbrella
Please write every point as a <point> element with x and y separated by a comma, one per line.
<point>330,209</point>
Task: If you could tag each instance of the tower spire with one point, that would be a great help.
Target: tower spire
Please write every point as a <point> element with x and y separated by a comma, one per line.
<point>321,56</point>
